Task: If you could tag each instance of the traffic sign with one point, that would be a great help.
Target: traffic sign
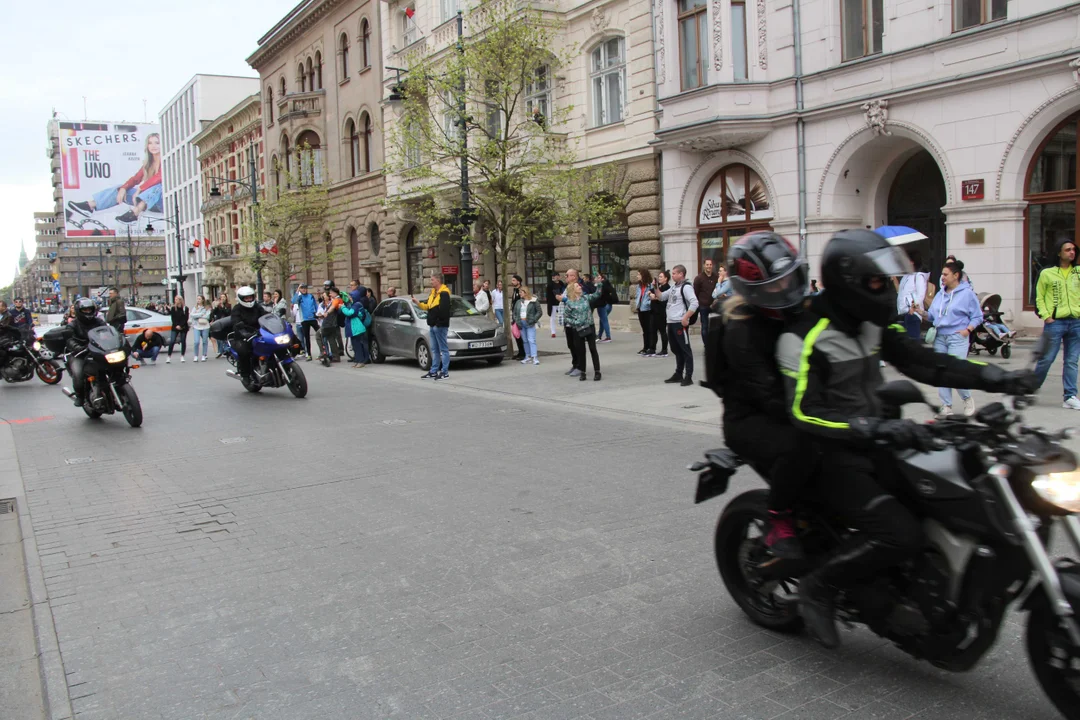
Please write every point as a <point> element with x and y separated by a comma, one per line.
<point>56,286</point>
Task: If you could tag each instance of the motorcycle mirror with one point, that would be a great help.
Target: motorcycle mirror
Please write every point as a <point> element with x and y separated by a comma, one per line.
<point>900,392</point>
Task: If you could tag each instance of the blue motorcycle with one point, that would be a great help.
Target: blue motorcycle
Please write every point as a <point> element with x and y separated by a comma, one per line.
<point>272,363</point>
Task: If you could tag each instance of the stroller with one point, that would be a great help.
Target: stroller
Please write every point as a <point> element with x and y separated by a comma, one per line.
<point>992,334</point>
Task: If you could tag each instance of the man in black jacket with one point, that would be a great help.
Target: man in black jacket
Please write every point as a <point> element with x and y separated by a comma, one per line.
<point>554,291</point>
<point>245,316</point>
<point>86,319</point>
<point>147,346</point>
<point>830,358</point>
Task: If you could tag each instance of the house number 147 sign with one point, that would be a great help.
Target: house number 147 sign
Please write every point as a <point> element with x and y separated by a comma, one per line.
<point>972,189</point>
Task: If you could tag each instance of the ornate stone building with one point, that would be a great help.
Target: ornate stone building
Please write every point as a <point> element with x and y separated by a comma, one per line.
<point>225,147</point>
<point>321,90</point>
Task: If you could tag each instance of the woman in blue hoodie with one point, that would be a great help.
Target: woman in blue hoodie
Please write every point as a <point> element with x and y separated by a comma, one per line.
<point>356,328</point>
<point>955,313</point>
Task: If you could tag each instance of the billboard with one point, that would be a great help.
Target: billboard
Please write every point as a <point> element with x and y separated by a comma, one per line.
<point>111,174</point>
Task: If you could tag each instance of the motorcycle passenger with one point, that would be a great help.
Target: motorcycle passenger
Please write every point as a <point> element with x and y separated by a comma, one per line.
<point>830,358</point>
<point>23,319</point>
<point>245,316</point>
<point>86,319</point>
<point>769,281</point>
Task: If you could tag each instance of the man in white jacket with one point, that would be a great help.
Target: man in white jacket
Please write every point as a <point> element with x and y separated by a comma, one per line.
<point>483,305</point>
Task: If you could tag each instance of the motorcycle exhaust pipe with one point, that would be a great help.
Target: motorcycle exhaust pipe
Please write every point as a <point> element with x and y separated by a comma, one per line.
<point>233,374</point>
<point>68,391</point>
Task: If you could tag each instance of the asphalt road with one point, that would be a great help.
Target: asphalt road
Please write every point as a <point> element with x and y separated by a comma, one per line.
<point>499,545</point>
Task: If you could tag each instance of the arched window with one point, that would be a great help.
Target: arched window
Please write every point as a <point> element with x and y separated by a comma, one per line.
<point>365,155</point>
<point>283,89</point>
<point>734,203</point>
<point>277,173</point>
<point>328,248</point>
<point>310,75</point>
<point>354,149</point>
<point>409,32</point>
<point>309,149</point>
<point>270,105</point>
<point>1053,195</point>
<point>365,44</point>
<point>414,262</point>
<point>316,83</point>
<point>301,78</point>
<point>286,152</point>
<point>344,45</point>
<point>354,254</point>
<point>375,238</point>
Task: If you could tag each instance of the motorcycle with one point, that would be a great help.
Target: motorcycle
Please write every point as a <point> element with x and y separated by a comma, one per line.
<point>107,377</point>
<point>21,361</point>
<point>988,496</point>
<point>272,362</point>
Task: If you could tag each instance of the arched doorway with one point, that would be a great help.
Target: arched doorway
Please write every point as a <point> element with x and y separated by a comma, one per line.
<point>734,203</point>
<point>1052,191</point>
<point>915,199</point>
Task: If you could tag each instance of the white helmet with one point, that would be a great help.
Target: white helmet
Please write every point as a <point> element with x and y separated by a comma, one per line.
<point>246,296</point>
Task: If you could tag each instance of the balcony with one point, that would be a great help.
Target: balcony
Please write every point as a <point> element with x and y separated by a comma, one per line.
<point>300,105</point>
<point>222,251</point>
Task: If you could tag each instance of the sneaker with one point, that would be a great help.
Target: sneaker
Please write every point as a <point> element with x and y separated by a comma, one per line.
<point>605,340</point>
<point>649,355</point>
<point>181,358</point>
<point>569,372</point>
<point>781,539</point>
<point>168,360</point>
<point>445,376</point>
<point>128,217</point>
<point>429,376</point>
<point>596,377</point>
<point>536,361</point>
<point>575,373</point>
<point>687,381</point>
<point>526,361</point>
<point>660,355</point>
<point>553,335</point>
<point>644,353</point>
<point>676,378</point>
<point>196,359</point>
<point>82,208</point>
<point>945,411</point>
<point>308,356</point>
<point>204,358</point>
<point>969,407</point>
<point>1071,403</point>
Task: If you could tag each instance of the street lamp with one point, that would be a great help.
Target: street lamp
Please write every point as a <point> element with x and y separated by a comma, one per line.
<point>175,222</point>
<point>252,187</point>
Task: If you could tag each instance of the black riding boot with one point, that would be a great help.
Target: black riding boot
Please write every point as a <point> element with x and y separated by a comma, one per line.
<point>859,559</point>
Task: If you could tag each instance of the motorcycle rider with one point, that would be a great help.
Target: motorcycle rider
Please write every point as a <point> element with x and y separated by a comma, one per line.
<point>245,323</point>
<point>23,319</point>
<point>86,319</point>
<point>769,281</point>
<point>830,358</point>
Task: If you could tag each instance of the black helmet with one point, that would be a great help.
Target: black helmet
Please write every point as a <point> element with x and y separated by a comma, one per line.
<point>85,310</point>
<point>765,269</point>
<point>852,260</point>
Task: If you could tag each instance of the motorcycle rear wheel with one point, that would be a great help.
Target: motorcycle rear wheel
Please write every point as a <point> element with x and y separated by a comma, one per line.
<point>49,373</point>
<point>1046,643</point>
<point>738,539</point>
<point>131,406</point>
<point>297,380</point>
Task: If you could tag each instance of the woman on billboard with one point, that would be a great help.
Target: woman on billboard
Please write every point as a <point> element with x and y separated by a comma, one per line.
<point>142,191</point>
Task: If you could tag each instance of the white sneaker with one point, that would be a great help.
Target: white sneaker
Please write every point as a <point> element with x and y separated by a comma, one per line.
<point>196,359</point>
<point>168,360</point>
<point>525,361</point>
<point>969,407</point>
<point>536,361</point>
<point>204,358</point>
<point>946,411</point>
<point>181,358</point>
<point>1072,403</point>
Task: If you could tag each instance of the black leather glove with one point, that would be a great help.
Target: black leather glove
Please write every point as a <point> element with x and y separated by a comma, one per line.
<point>1012,382</point>
<point>896,434</point>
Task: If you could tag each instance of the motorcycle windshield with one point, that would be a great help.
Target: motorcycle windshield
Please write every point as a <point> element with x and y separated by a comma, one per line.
<point>104,340</point>
<point>272,324</point>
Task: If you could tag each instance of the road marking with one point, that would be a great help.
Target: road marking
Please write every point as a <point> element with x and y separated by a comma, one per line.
<point>26,421</point>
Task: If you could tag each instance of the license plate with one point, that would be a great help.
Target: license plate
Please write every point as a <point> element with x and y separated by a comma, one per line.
<point>482,344</point>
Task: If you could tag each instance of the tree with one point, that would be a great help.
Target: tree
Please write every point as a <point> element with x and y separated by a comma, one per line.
<point>489,102</point>
<point>286,232</point>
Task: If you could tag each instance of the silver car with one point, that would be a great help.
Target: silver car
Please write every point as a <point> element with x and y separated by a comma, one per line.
<point>401,330</point>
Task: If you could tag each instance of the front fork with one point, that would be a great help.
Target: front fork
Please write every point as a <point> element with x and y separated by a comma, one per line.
<point>1036,553</point>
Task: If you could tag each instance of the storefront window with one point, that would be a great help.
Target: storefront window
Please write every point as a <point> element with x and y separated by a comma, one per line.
<point>1052,197</point>
<point>539,267</point>
<point>734,203</point>
<point>612,258</point>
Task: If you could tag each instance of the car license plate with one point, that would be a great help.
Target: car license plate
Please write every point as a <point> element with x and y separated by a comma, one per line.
<point>482,344</point>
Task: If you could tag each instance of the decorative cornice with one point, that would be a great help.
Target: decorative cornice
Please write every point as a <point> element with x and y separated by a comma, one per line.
<point>278,38</point>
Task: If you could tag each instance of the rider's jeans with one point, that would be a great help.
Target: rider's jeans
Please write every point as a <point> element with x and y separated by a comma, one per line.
<point>957,346</point>
<point>1065,330</point>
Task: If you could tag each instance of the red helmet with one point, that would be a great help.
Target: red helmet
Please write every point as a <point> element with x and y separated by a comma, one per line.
<point>765,269</point>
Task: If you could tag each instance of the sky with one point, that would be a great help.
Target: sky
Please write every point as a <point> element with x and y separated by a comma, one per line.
<point>117,56</point>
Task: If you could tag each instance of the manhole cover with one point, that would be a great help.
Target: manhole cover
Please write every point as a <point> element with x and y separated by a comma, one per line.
<point>395,422</point>
<point>230,441</point>
<point>7,506</point>
<point>79,460</point>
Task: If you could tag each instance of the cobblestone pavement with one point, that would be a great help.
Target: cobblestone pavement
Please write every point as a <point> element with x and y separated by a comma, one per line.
<point>389,548</point>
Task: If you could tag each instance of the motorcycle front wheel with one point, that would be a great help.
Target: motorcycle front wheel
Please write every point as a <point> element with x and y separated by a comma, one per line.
<point>49,373</point>
<point>739,548</point>
<point>131,406</point>
<point>1056,667</point>
<point>297,380</point>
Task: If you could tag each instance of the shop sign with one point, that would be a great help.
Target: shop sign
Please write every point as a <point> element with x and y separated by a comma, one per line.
<point>449,270</point>
<point>972,189</point>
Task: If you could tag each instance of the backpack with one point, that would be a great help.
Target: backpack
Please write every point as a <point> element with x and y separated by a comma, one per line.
<point>693,318</point>
<point>365,317</point>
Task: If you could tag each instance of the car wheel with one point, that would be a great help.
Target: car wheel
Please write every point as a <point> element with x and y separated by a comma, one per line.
<point>423,355</point>
<point>376,352</point>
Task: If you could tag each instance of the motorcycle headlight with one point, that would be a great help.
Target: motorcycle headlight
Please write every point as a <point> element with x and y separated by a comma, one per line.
<point>37,345</point>
<point>116,357</point>
<point>1060,489</point>
<point>282,339</point>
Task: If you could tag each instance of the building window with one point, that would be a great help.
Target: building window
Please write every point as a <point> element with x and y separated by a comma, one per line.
<point>969,13</point>
<point>538,96</point>
<point>283,89</point>
<point>365,44</point>
<point>309,150</point>
<point>414,262</point>
<point>376,239</point>
<point>344,45</point>
<point>354,149</point>
<point>738,39</point>
<point>1053,197</point>
<point>270,105</point>
<point>862,25</point>
<point>301,78</point>
<point>493,117</point>
<point>365,148</point>
<point>539,266</point>
<point>409,32</point>
<point>608,81</point>
<point>449,9</point>
<point>735,202</point>
<point>693,43</point>
<point>610,255</point>
<point>317,77</point>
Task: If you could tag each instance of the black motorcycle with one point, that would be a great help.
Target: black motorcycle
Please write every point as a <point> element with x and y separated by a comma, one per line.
<point>108,377</point>
<point>20,360</point>
<point>988,496</point>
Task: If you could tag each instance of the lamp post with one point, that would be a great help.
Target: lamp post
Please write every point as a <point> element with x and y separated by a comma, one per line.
<point>466,216</point>
<point>252,187</point>
<point>175,222</point>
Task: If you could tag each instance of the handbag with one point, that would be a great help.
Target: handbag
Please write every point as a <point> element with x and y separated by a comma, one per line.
<point>931,335</point>
<point>587,332</point>
<point>515,331</point>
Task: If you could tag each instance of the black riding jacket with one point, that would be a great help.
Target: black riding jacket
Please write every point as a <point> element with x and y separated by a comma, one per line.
<point>246,319</point>
<point>752,383</point>
<point>80,333</point>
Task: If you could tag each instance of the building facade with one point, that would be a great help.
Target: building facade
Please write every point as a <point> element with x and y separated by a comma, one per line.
<point>199,102</point>
<point>957,118</point>
<point>224,150</point>
<point>321,88</point>
<point>608,84</point>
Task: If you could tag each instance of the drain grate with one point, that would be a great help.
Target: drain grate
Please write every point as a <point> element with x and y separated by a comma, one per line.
<point>7,506</point>
<point>79,460</point>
